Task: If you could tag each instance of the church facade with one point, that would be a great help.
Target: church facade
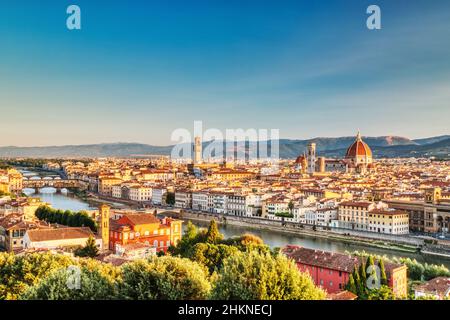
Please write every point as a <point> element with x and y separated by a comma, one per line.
<point>358,159</point>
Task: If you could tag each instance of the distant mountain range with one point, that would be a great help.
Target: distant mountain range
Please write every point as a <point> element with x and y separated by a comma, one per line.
<point>385,146</point>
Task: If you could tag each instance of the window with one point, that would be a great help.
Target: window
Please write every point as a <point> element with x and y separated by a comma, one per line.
<point>155,243</point>
<point>331,283</point>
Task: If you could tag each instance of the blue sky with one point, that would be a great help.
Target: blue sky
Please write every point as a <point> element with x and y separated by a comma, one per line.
<point>138,70</point>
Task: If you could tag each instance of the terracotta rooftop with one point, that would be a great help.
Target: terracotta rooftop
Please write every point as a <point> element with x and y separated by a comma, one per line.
<point>330,260</point>
<point>364,204</point>
<point>342,295</point>
<point>437,286</point>
<point>59,234</point>
<point>142,218</point>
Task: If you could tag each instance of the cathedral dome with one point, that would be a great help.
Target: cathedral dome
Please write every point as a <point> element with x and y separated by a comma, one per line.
<point>358,149</point>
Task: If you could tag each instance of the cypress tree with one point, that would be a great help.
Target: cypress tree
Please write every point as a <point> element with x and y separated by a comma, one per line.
<point>384,280</point>
<point>362,271</point>
<point>357,280</point>
<point>350,286</point>
<point>213,235</point>
<point>370,261</point>
<point>372,276</point>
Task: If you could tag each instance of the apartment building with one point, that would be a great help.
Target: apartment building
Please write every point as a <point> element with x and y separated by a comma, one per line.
<point>391,221</point>
<point>355,214</point>
<point>140,193</point>
<point>159,195</point>
<point>156,175</point>
<point>219,202</point>
<point>430,215</point>
<point>105,185</point>
<point>183,198</point>
<point>15,181</point>
<point>116,191</point>
<point>236,204</point>
<point>146,229</point>
<point>231,175</point>
<point>200,200</point>
<point>13,228</point>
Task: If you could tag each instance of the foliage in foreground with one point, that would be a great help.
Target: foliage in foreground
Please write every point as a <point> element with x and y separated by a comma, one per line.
<point>62,285</point>
<point>18,274</point>
<point>206,267</point>
<point>165,278</point>
<point>261,276</point>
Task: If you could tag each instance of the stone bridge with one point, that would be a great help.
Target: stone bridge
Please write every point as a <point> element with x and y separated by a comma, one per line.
<point>58,184</point>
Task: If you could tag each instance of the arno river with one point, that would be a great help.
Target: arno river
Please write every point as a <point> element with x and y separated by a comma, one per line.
<point>274,239</point>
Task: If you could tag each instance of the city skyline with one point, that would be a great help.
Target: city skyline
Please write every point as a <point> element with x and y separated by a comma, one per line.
<point>136,73</point>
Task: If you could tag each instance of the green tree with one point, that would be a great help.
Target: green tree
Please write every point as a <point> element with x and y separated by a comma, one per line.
<point>362,271</point>
<point>290,206</point>
<point>69,218</point>
<point>212,255</point>
<point>64,285</point>
<point>170,198</point>
<point>190,237</point>
<point>260,276</point>
<point>383,277</point>
<point>89,250</point>
<point>360,286</point>
<point>383,293</point>
<point>165,278</point>
<point>18,273</point>
<point>370,261</point>
<point>351,285</point>
<point>213,235</point>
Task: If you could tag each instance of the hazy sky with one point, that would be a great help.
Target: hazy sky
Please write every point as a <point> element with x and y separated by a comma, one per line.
<point>137,71</point>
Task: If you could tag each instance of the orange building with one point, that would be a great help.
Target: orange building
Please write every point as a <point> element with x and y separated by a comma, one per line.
<point>144,228</point>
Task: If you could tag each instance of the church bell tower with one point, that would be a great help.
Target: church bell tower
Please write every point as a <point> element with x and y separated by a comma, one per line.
<point>104,225</point>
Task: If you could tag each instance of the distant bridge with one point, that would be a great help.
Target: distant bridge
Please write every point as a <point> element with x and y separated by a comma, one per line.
<point>56,183</point>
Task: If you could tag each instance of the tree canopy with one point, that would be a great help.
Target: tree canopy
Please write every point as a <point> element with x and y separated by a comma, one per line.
<point>165,278</point>
<point>261,276</point>
<point>67,218</point>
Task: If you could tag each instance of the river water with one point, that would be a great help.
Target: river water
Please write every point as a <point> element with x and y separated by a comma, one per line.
<point>65,201</point>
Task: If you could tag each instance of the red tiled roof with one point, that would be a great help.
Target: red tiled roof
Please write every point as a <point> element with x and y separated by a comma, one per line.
<point>38,235</point>
<point>342,295</point>
<point>364,204</point>
<point>330,260</point>
<point>141,218</point>
<point>437,286</point>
